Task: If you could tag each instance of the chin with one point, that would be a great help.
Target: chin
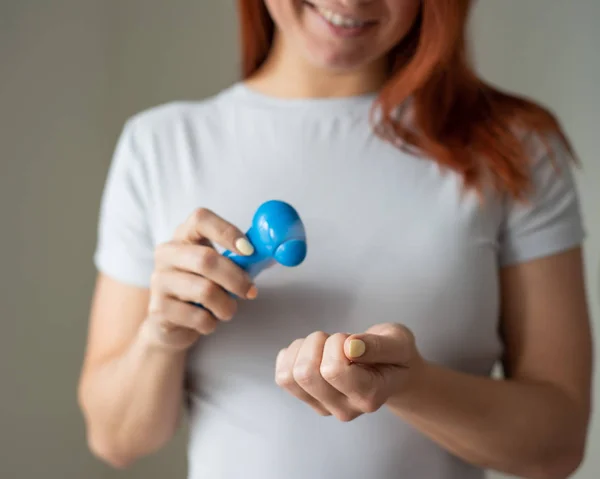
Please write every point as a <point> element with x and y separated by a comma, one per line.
<point>341,62</point>
<point>337,66</point>
<point>336,48</point>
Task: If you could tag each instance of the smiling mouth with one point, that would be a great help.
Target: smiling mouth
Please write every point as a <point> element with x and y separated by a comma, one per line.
<point>338,20</point>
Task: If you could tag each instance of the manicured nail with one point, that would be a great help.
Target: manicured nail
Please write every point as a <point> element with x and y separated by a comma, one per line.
<point>244,246</point>
<point>356,348</point>
<point>252,292</point>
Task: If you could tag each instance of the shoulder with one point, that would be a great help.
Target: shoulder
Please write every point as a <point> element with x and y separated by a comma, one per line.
<point>551,170</point>
<point>158,144</point>
<point>549,218</point>
<point>547,149</point>
<point>547,161</point>
<point>167,121</point>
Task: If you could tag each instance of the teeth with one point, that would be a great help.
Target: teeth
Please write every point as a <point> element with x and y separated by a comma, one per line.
<point>339,20</point>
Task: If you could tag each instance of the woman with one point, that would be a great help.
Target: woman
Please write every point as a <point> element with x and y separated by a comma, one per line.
<point>444,236</point>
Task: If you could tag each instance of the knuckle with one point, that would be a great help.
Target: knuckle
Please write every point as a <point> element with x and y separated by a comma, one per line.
<point>388,326</point>
<point>304,372</point>
<point>331,371</point>
<point>296,344</point>
<point>338,337</point>
<point>406,334</point>
<point>398,330</point>
<point>318,335</point>
<point>344,415</point>
<point>229,232</point>
<point>207,290</point>
<point>200,320</point>
<point>369,404</point>
<point>196,320</point>
<point>229,309</point>
<point>206,259</point>
<point>204,323</point>
<point>322,412</point>
<point>200,215</point>
<point>284,378</point>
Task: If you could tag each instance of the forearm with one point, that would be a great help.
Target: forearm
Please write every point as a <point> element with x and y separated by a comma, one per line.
<point>527,429</point>
<point>132,403</point>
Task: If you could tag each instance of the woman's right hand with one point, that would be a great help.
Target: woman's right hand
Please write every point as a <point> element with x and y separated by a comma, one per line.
<point>188,269</point>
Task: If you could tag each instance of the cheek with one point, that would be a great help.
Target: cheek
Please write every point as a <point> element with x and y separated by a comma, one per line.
<point>402,16</point>
<point>283,12</point>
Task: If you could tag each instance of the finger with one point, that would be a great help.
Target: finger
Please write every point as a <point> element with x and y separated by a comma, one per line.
<point>308,373</point>
<point>358,384</point>
<point>335,366</point>
<point>207,262</point>
<point>195,289</point>
<point>284,377</point>
<point>176,314</point>
<point>205,224</point>
<point>387,344</point>
<point>190,317</point>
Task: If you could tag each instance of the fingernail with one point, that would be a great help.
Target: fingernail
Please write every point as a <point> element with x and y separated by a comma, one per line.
<point>244,246</point>
<point>356,348</point>
<point>252,292</point>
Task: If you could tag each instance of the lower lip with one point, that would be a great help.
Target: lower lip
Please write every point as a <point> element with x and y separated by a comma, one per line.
<point>344,32</point>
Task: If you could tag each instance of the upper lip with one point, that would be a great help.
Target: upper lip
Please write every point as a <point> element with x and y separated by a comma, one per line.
<point>340,11</point>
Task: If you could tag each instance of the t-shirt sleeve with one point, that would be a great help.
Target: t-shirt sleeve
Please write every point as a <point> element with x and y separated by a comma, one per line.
<point>124,249</point>
<point>550,220</point>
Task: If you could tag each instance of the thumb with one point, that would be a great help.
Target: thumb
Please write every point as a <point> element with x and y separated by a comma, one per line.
<point>395,347</point>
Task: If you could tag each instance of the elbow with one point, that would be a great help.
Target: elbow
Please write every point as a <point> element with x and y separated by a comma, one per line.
<point>101,444</point>
<point>107,449</point>
<point>123,439</point>
<point>561,453</point>
<point>121,449</point>
<point>558,465</point>
<point>109,453</point>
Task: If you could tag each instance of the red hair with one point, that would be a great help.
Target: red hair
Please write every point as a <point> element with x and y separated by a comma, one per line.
<point>456,118</point>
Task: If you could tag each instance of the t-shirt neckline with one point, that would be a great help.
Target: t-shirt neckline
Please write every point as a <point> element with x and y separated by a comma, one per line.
<point>321,104</point>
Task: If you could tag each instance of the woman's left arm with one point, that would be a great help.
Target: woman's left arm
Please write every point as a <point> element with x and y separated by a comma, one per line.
<point>533,423</point>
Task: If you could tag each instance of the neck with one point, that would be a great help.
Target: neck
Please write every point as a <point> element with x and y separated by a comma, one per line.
<point>287,74</point>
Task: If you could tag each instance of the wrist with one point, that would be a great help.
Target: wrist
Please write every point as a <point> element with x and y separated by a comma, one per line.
<point>420,377</point>
<point>151,340</point>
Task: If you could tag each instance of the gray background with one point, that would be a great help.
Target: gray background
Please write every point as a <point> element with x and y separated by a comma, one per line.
<point>71,71</point>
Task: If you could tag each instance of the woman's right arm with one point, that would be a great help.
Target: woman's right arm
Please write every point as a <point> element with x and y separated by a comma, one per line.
<point>131,386</point>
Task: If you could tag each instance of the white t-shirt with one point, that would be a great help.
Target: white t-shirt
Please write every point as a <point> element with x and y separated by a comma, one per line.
<point>390,239</point>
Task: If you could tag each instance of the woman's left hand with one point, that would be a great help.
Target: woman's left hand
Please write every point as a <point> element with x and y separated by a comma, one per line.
<point>348,375</point>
